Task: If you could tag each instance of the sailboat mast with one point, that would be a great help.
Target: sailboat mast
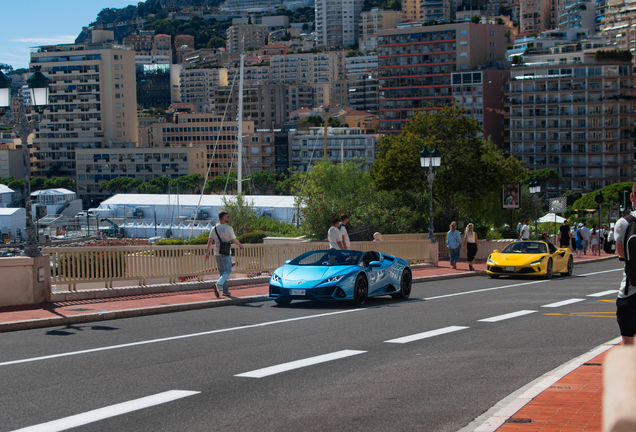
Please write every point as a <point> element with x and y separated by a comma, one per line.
<point>239,175</point>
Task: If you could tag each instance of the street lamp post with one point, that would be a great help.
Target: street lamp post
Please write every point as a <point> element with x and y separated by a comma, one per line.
<point>432,161</point>
<point>535,189</point>
<point>39,88</point>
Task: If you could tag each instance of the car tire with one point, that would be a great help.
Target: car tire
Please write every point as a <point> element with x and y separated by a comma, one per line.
<point>548,269</point>
<point>360,290</point>
<point>493,276</point>
<point>570,268</point>
<point>405,286</point>
<point>283,301</point>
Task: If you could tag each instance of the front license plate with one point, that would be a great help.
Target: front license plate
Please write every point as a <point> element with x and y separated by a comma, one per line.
<point>510,269</point>
<point>297,292</point>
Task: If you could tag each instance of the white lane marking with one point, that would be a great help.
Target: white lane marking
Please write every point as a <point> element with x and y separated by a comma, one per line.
<point>151,341</point>
<point>603,293</point>
<point>495,417</point>
<point>107,412</point>
<point>428,334</point>
<point>601,272</point>
<point>507,316</point>
<point>563,303</point>
<point>53,356</point>
<point>272,370</point>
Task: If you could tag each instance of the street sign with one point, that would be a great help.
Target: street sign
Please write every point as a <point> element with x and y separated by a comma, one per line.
<point>558,205</point>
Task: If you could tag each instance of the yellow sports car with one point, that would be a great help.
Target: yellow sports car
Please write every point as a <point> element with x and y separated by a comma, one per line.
<point>530,258</point>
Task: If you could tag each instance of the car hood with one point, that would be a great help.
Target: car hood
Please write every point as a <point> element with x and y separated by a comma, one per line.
<point>311,273</point>
<point>515,259</point>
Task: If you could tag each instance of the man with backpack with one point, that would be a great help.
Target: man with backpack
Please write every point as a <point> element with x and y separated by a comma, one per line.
<point>625,237</point>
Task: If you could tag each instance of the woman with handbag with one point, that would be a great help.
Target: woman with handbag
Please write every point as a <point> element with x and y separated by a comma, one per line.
<point>223,236</point>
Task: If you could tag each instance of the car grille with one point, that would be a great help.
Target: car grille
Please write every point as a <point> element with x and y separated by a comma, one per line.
<point>524,270</point>
<point>275,290</point>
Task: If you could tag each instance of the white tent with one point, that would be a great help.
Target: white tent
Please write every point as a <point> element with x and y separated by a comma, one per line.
<point>551,217</point>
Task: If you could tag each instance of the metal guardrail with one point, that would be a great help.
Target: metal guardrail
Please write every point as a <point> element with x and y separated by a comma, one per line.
<point>75,265</point>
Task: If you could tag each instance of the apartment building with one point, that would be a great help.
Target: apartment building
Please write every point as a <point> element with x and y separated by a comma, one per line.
<point>183,46</point>
<point>221,141</point>
<point>574,114</point>
<point>416,63</point>
<point>11,163</point>
<point>162,46</point>
<point>255,73</point>
<point>619,24</point>
<point>578,15</point>
<point>343,144</point>
<point>373,21</point>
<point>363,93</point>
<point>95,166</point>
<point>411,10</point>
<point>264,104</point>
<point>361,65</point>
<point>240,37</point>
<point>92,101</point>
<point>308,68</point>
<point>436,10</point>
<point>334,93</point>
<point>140,43</point>
<point>337,22</point>
<point>196,86</point>
<point>274,49</point>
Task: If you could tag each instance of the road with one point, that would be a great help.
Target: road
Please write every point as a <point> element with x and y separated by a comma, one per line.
<point>433,363</point>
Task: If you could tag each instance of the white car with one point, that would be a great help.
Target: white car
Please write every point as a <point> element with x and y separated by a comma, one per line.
<point>83,214</point>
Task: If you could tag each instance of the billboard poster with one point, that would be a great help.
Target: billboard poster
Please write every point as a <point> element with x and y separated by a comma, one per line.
<point>511,194</point>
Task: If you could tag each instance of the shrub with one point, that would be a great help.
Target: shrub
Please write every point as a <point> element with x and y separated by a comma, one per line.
<point>282,229</point>
<point>507,232</point>
<point>255,237</point>
<point>170,242</point>
<point>200,239</point>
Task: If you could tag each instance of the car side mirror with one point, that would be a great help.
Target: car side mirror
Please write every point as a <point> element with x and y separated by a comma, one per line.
<point>287,262</point>
<point>495,251</point>
<point>375,264</point>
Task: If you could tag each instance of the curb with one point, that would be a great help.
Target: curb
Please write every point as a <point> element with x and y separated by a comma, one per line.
<point>155,310</point>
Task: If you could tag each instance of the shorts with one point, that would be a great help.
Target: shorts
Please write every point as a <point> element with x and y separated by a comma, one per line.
<point>626,315</point>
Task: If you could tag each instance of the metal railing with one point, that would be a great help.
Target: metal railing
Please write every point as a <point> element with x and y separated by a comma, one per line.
<point>75,265</point>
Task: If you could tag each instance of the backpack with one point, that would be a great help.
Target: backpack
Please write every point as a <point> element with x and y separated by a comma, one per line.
<point>629,243</point>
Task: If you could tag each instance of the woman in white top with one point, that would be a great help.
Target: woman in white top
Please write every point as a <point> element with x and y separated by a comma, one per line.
<point>594,240</point>
<point>471,245</point>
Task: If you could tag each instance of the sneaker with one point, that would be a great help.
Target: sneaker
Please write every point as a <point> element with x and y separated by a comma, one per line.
<point>227,294</point>
<point>216,290</point>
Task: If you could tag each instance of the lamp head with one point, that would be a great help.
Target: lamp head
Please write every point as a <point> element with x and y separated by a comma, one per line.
<point>39,86</point>
<point>425,158</point>
<point>5,90</point>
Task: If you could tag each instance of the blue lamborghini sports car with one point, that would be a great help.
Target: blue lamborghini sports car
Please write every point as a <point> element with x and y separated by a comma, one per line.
<point>340,275</point>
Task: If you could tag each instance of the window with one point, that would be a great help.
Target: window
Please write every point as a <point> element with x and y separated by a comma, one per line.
<point>116,67</point>
<point>463,32</point>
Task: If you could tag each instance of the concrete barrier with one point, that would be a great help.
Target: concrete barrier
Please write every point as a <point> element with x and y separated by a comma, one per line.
<point>25,280</point>
<point>619,390</point>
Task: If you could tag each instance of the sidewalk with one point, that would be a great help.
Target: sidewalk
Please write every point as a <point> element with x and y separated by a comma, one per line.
<point>573,403</point>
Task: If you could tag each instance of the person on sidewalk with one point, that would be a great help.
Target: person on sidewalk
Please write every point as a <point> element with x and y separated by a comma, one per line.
<point>525,231</point>
<point>344,231</point>
<point>453,242</point>
<point>334,235</point>
<point>586,237</point>
<point>626,301</point>
<point>594,240</point>
<point>564,235</point>
<point>471,245</point>
<point>222,232</point>
<point>579,241</point>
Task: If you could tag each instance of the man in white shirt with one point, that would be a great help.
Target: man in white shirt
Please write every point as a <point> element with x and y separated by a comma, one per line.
<point>525,231</point>
<point>344,231</point>
<point>222,232</point>
<point>334,236</point>
<point>585,231</point>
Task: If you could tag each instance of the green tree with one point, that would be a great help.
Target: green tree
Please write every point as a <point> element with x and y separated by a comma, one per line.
<point>543,176</point>
<point>610,193</point>
<point>187,184</point>
<point>471,169</point>
<point>243,216</point>
<point>221,183</point>
<point>13,183</point>
<point>475,19</point>
<point>262,181</point>
<point>147,188</point>
<point>163,183</point>
<point>121,185</point>
<point>59,182</point>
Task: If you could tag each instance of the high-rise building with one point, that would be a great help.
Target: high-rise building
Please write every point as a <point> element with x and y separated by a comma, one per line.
<point>411,10</point>
<point>197,86</point>
<point>575,114</point>
<point>337,22</point>
<point>373,21</point>
<point>534,16</point>
<point>308,68</point>
<point>241,37</point>
<point>92,101</point>
<point>416,63</point>
<point>619,24</point>
<point>578,15</point>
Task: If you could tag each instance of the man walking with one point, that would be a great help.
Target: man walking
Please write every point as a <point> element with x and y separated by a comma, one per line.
<point>453,242</point>
<point>585,231</point>
<point>334,236</point>
<point>626,301</point>
<point>525,231</point>
<point>564,235</point>
<point>222,232</point>
<point>344,231</point>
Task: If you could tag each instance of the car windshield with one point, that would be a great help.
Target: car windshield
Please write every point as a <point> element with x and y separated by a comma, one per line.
<point>328,258</point>
<point>526,248</point>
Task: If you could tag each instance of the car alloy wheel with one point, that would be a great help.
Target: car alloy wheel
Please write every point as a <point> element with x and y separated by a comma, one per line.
<point>570,268</point>
<point>405,286</point>
<point>361,290</point>
<point>548,269</point>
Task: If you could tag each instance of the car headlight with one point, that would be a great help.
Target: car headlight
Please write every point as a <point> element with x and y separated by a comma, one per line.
<point>275,277</point>
<point>537,262</point>
<point>490,261</point>
<point>334,279</point>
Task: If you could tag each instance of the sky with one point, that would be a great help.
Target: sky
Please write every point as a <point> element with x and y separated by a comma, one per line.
<point>29,23</point>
